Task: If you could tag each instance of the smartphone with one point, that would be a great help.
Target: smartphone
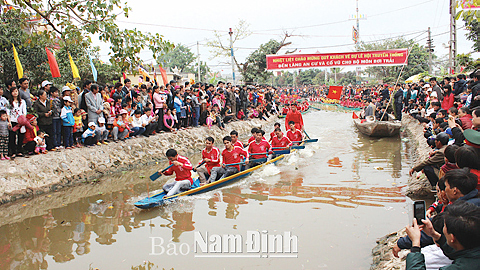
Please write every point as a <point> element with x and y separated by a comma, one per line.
<point>419,211</point>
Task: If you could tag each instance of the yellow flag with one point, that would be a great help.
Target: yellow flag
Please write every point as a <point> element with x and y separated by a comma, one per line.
<point>17,63</point>
<point>75,73</point>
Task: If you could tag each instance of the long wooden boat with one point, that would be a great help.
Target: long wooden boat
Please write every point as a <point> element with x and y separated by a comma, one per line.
<point>378,128</point>
<point>159,199</point>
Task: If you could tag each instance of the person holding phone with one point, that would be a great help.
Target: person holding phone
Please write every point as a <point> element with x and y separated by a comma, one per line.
<point>459,239</point>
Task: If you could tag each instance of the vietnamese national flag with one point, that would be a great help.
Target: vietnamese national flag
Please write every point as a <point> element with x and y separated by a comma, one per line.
<point>53,64</point>
<point>335,92</point>
<point>164,75</point>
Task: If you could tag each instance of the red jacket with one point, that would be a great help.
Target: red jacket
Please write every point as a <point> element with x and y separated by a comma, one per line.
<point>294,136</point>
<point>181,172</point>
<point>261,147</point>
<point>234,156</point>
<point>295,117</point>
<point>30,134</point>
<point>214,156</point>
<point>284,142</point>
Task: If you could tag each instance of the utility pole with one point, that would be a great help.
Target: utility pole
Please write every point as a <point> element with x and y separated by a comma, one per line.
<point>198,62</point>
<point>357,17</point>
<point>430,51</point>
<point>452,61</point>
<point>231,52</point>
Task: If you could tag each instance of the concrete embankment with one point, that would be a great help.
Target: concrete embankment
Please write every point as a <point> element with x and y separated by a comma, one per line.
<point>26,177</point>
<point>418,187</point>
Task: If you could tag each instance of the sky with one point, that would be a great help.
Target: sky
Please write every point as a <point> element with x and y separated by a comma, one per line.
<point>315,25</point>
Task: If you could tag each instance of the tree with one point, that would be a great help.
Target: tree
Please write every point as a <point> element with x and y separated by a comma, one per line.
<point>220,47</point>
<point>255,66</point>
<point>180,57</point>
<point>31,50</point>
<point>73,22</point>
<point>473,26</point>
<point>417,60</point>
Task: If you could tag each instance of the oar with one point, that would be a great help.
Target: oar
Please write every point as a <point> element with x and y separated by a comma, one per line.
<point>156,175</point>
<point>241,163</point>
<point>307,141</point>
<point>195,168</point>
<point>291,147</point>
<point>307,134</point>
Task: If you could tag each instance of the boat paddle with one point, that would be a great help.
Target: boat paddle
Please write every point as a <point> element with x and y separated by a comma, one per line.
<point>291,147</point>
<point>307,135</point>
<point>252,160</point>
<point>156,175</point>
<point>195,168</point>
<point>306,141</point>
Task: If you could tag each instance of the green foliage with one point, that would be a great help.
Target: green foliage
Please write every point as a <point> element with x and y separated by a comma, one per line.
<point>255,66</point>
<point>181,57</point>
<point>74,22</point>
<point>465,60</point>
<point>417,60</point>
<point>473,26</point>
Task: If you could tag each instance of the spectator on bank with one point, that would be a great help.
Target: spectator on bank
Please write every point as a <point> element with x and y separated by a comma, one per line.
<point>68,122</point>
<point>56,108</point>
<point>432,164</point>
<point>89,137</point>
<point>101,131</point>
<point>43,109</point>
<point>30,134</point>
<point>120,128</point>
<point>4,129</point>
<point>17,110</point>
<point>94,103</point>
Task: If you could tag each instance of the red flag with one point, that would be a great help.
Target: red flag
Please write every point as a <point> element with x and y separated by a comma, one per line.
<point>124,76</point>
<point>354,116</point>
<point>53,64</point>
<point>334,92</point>
<point>164,75</point>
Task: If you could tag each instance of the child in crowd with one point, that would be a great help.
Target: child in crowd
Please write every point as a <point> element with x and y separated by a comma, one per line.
<point>120,129</point>
<point>4,127</point>
<point>88,137</point>
<point>101,131</point>
<point>68,122</point>
<point>41,147</point>
<point>78,126</point>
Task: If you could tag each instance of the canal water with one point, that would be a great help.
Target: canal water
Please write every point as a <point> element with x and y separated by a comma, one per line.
<point>328,204</point>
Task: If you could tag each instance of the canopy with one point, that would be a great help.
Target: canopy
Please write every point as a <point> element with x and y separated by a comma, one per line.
<point>413,79</point>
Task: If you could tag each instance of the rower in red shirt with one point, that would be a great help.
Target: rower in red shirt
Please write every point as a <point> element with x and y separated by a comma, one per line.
<point>295,116</point>
<point>294,135</point>
<point>280,142</point>
<point>211,157</point>
<point>253,131</point>
<point>258,148</point>
<point>231,154</point>
<point>275,126</point>
<point>182,169</point>
<point>235,140</point>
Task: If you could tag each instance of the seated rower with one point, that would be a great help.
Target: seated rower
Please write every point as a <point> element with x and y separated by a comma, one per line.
<point>181,167</point>
<point>211,156</point>
<point>294,135</point>
<point>258,148</point>
<point>253,131</point>
<point>231,154</point>
<point>280,142</point>
<point>235,140</point>
<point>275,126</point>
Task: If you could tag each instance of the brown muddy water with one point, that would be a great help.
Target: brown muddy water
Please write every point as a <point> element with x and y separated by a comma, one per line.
<point>331,200</point>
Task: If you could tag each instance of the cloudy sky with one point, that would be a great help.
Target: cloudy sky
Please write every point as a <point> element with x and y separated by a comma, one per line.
<point>316,25</point>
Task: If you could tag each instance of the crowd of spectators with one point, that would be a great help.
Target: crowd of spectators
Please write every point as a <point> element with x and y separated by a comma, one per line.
<point>49,118</point>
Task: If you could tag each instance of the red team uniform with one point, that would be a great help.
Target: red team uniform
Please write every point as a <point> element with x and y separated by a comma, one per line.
<point>181,172</point>
<point>238,143</point>
<point>214,156</point>
<point>261,147</point>
<point>234,156</point>
<point>283,143</point>
<point>295,136</point>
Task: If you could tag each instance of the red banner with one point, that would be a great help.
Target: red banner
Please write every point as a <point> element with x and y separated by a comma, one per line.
<point>372,58</point>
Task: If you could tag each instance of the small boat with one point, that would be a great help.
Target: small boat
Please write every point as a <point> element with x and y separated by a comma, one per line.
<point>159,199</point>
<point>373,128</point>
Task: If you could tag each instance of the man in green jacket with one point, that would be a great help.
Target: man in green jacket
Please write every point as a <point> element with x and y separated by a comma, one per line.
<point>460,240</point>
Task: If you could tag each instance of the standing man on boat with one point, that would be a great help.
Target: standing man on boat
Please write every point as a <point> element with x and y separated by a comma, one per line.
<point>211,157</point>
<point>294,135</point>
<point>230,155</point>
<point>258,148</point>
<point>295,116</point>
<point>182,169</point>
<point>398,102</point>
